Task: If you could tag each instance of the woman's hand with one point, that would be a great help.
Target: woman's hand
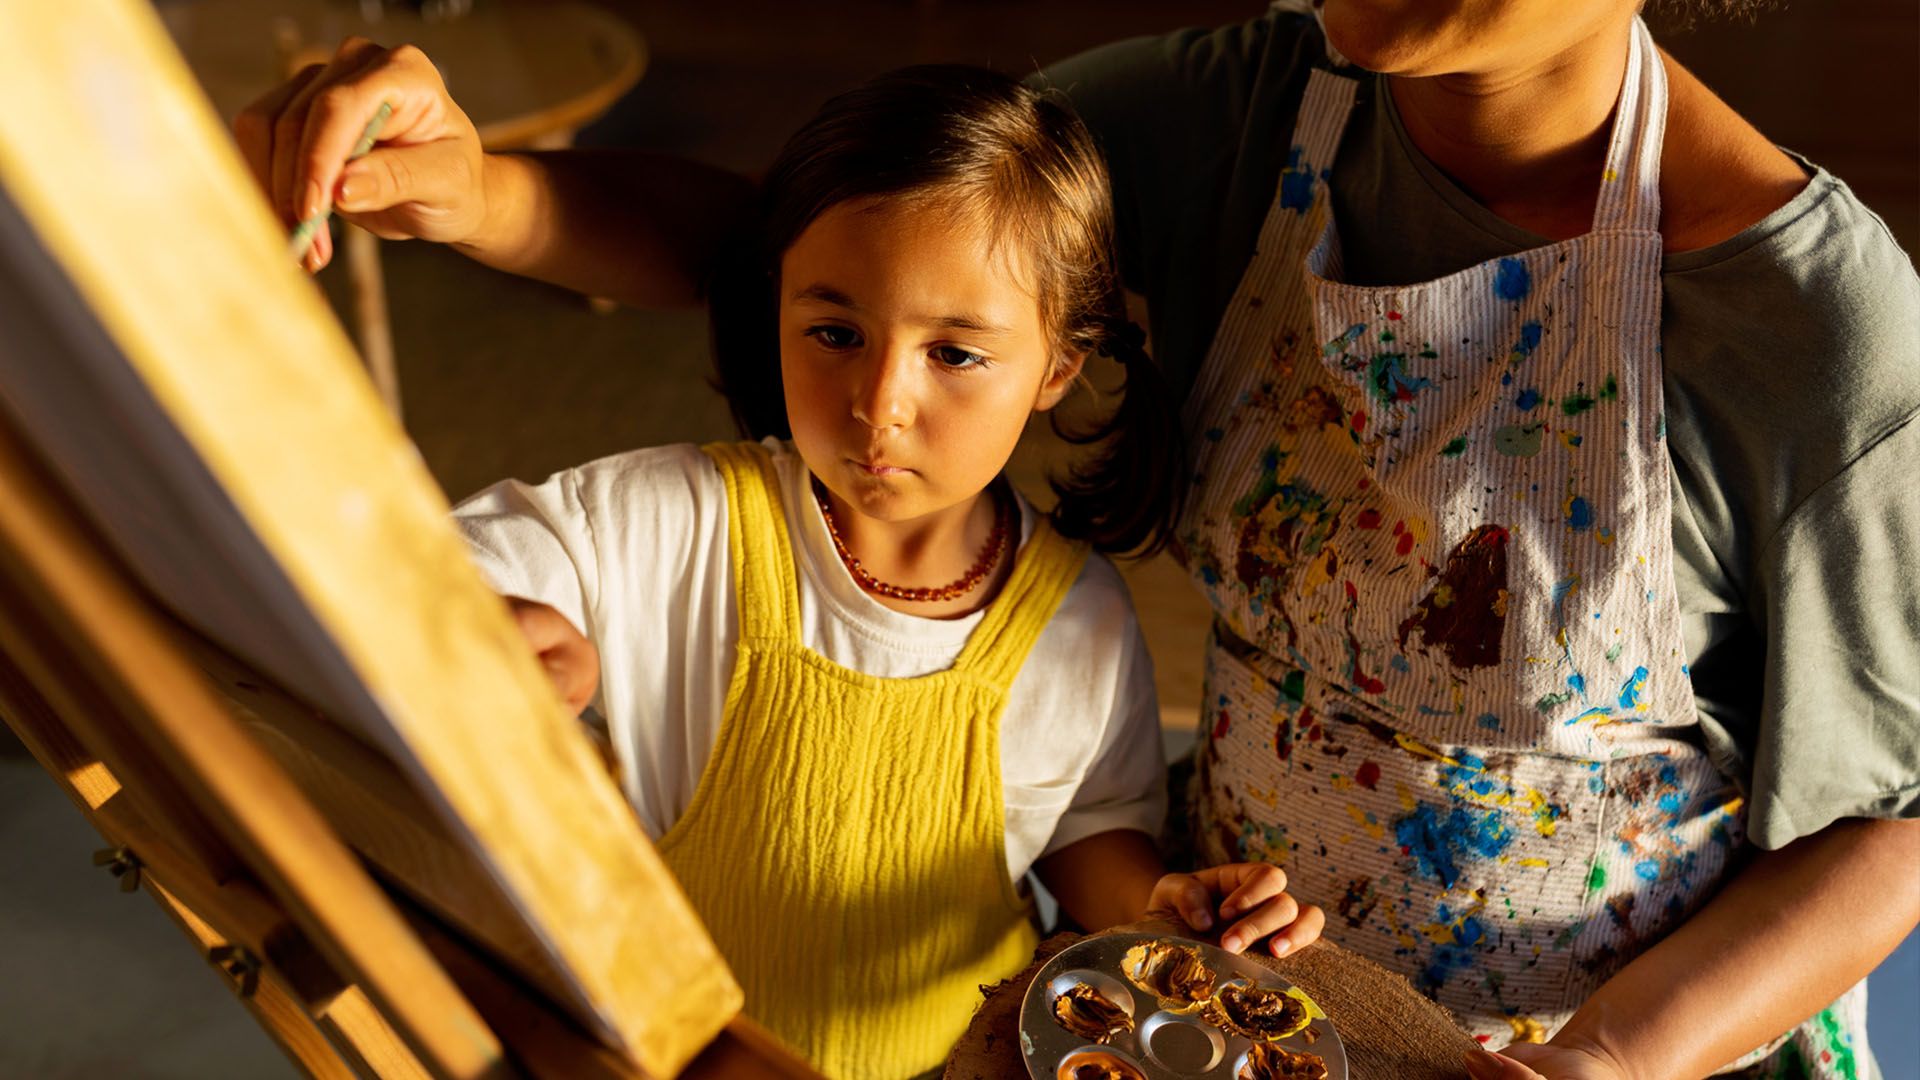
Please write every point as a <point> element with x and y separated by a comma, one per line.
<point>423,179</point>
<point>1526,1061</point>
<point>570,659</point>
<point>1254,894</point>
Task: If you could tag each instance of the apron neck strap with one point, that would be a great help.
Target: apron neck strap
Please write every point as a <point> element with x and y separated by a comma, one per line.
<point>1630,184</point>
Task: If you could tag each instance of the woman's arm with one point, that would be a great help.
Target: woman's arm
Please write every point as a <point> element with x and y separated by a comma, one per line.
<point>1784,938</point>
<point>636,227</point>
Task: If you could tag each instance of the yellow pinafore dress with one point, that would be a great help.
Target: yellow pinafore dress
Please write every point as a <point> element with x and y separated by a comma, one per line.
<point>846,844</point>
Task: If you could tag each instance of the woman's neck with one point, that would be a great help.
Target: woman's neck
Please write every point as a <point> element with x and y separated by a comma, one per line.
<point>928,551</point>
<point>1528,141</point>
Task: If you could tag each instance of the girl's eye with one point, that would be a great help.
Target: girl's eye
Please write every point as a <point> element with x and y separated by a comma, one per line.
<point>953,356</point>
<point>833,337</point>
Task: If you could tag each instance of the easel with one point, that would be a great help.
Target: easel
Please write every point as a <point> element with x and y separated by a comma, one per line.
<point>377,822</point>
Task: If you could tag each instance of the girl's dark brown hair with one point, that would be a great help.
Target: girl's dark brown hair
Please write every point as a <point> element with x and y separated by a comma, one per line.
<point>1023,164</point>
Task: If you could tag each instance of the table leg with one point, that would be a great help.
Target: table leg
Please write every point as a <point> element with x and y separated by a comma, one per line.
<point>371,325</point>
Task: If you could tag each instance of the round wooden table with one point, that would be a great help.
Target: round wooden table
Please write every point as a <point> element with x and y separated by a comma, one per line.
<point>1389,1030</point>
<point>528,74</point>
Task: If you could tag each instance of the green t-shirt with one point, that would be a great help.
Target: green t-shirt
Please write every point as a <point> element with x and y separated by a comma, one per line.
<point>1792,379</point>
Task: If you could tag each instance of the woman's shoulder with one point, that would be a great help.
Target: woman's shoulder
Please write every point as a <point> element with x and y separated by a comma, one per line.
<point>1719,174</point>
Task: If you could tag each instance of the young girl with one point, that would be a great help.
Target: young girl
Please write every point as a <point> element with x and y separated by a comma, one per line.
<point>855,685</point>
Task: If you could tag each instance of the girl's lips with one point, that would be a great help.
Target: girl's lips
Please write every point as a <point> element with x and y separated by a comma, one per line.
<point>880,468</point>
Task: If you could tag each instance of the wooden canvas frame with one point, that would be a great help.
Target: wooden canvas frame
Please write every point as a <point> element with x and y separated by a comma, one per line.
<point>240,630</point>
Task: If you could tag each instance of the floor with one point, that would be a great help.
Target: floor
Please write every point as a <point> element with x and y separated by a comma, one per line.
<point>507,377</point>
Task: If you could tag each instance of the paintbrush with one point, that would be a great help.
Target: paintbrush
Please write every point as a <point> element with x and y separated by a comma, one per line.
<point>303,234</point>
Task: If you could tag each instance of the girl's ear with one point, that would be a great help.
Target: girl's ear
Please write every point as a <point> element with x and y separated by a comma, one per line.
<point>1060,380</point>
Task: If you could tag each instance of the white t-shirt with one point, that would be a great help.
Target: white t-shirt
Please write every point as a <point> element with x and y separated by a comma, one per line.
<point>632,549</point>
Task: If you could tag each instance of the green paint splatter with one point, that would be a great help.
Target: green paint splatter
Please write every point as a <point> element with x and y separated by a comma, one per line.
<point>1614,653</point>
<point>1838,1044</point>
<point>1575,404</point>
<point>1294,687</point>
<point>1549,702</point>
<point>1455,448</point>
<point>1596,878</point>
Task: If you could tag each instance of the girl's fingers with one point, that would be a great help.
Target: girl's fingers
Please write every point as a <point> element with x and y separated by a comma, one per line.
<point>1302,932</point>
<point>1265,919</point>
<point>1195,905</point>
<point>1248,885</point>
<point>1183,895</point>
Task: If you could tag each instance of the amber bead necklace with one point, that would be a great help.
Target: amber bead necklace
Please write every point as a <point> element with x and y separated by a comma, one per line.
<point>996,546</point>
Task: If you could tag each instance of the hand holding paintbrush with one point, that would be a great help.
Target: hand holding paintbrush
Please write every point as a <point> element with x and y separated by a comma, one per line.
<point>418,175</point>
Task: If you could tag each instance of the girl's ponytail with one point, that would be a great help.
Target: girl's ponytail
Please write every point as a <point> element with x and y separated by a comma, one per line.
<point>1126,498</point>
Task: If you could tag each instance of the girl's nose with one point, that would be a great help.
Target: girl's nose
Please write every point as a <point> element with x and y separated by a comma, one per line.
<point>883,398</point>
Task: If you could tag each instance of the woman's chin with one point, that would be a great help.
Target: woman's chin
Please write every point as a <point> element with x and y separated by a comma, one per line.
<point>1384,37</point>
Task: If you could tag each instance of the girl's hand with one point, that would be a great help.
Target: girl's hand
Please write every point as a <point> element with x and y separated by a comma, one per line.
<point>1255,895</point>
<point>1525,1061</point>
<point>423,179</point>
<point>570,659</point>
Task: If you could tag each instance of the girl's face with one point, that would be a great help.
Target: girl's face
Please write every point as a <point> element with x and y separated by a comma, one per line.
<point>912,354</point>
<point>1450,37</point>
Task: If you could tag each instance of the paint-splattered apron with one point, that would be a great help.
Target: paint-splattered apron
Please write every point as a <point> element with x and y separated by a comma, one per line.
<point>1446,687</point>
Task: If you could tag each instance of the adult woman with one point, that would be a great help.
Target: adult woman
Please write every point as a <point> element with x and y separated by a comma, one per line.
<point>1466,405</point>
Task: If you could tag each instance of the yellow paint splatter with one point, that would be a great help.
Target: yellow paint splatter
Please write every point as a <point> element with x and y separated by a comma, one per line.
<point>1366,821</point>
<point>1319,571</point>
<point>1525,1028</point>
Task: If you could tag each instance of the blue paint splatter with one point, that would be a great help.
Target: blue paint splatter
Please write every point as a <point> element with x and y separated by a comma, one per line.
<point>1631,690</point>
<point>1579,684</point>
<point>1296,183</point>
<point>1579,514</point>
<point>1340,342</point>
<point>1512,280</point>
<point>1528,399</point>
<point>1388,379</point>
<point>1489,721</point>
<point>1530,334</point>
<point>1447,960</point>
<point>1648,869</point>
<point>1437,844</point>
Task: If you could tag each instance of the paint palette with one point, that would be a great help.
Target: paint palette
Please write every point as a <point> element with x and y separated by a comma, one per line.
<point>1154,1007</point>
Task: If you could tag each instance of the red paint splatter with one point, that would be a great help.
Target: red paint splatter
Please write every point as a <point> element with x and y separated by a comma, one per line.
<point>1368,684</point>
<point>1365,483</point>
<point>1394,316</point>
<point>1360,420</point>
<point>1367,775</point>
<point>1405,544</point>
<point>1368,519</point>
<point>1221,725</point>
